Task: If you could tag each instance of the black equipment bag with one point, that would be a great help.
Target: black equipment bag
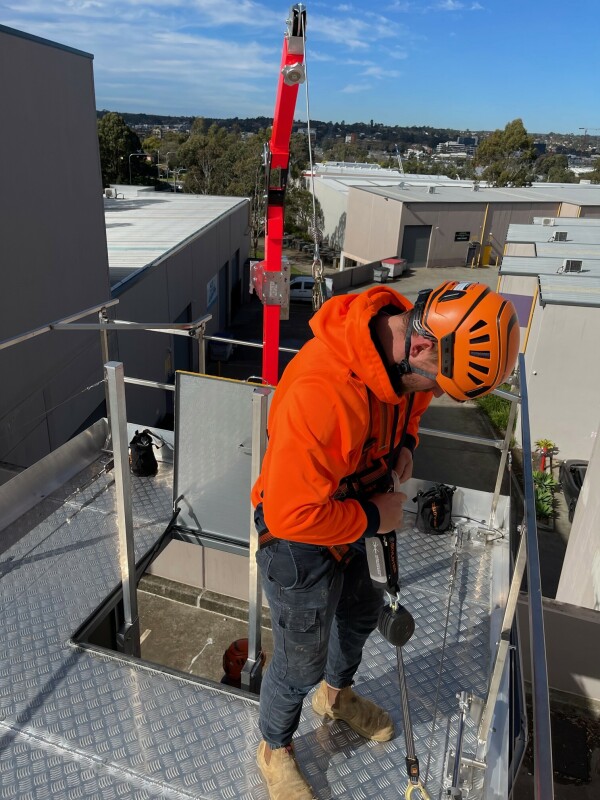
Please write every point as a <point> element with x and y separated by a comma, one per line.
<point>434,508</point>
<point>143,461</point>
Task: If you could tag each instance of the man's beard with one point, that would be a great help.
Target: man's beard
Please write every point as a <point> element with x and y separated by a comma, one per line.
<point>410,383</point>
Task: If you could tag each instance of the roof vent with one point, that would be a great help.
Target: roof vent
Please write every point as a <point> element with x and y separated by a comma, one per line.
<point>559,236</point>
<point>547,221</point>
<point>431,189</point>
<point>571,265</point>
<point>475,187</point>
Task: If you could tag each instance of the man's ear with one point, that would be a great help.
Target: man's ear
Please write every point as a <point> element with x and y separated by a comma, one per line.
<point>420,344</point>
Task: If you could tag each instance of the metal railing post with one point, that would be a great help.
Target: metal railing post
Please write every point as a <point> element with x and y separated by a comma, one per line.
<point>128,638</point>
<point>542,736</point>
<point>252,671</point>
<point>104,347</point>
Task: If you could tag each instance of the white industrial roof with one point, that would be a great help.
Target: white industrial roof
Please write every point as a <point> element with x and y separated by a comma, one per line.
<point>570,290</point>
<point>143,227</point>
<point>586,195</point>
<point>556,285</point>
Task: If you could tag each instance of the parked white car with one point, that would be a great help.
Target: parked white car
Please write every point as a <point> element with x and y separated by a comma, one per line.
<point>301,288</point>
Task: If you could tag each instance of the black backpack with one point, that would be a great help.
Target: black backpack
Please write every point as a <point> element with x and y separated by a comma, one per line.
<point>434,508</point>
<point>143,461</point>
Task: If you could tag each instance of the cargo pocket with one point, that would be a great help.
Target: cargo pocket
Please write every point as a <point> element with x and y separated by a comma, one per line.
<point>305,653</point>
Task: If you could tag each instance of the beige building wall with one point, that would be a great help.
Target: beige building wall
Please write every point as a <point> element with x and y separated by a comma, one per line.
<point>372,228</point>
<point>375,226</point>
<point>334,206</point>
<point>54,259</point>
<point>580,577</point>
<point>563,378</point>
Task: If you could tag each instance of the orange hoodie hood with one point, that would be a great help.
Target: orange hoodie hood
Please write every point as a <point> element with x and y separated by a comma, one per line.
<point>342,324</point>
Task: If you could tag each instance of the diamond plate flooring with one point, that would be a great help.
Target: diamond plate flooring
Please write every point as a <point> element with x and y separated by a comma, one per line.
<point>75,724</point>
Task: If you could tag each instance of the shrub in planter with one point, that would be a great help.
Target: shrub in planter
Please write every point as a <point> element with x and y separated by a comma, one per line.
<point>544,486</point>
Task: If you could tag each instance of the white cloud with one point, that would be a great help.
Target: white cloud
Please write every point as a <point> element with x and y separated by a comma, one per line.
<point>355,88</point>
<point>380,72</point>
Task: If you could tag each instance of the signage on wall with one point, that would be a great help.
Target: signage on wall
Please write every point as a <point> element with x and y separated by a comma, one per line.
<point>462,236</point>
<point>212,291</point>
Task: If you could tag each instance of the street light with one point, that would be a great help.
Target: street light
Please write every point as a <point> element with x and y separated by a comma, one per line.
<point>142,155</point>
<point>169,153</point>
<point>175,173</point>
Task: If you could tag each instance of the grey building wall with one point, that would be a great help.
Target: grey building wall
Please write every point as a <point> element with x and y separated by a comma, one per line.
<point>54,259</point>
<point>580,577</point>
<point>177,289</point>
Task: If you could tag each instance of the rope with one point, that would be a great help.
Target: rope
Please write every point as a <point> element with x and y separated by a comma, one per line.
<point>318,297</point>
<point>453,569</point>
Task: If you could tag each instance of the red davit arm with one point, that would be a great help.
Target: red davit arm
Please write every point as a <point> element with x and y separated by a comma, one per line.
<point>277,163</point>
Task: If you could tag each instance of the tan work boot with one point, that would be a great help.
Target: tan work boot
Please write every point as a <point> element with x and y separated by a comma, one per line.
<point>282,776</point>
<point>361,714</point>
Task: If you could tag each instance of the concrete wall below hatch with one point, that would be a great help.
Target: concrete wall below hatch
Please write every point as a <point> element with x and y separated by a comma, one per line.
<point>203,568</point>
<point>572,651</point>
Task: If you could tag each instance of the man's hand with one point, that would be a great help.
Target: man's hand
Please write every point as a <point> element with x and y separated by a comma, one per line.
<point>404,465</point>
<point>389,506</point>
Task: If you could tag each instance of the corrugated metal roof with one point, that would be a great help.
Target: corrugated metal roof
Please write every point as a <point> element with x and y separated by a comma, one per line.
<point>141,229</point>
<point>522,265</point>
<point>583,243</point>
<point>576,234</point>
<point>570,290</point>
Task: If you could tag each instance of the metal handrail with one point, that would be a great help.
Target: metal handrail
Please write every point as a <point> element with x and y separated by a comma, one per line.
<point>542,735</point>
<point>541,705</point>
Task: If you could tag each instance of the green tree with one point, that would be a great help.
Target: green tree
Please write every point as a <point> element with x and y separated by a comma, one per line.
<point>594,176</point>
<point>350,151</point>
<point>555,169</point>
<point>117,141</point>
<point>208,157</point>
<point>299,212</point>
<point>507,156</point>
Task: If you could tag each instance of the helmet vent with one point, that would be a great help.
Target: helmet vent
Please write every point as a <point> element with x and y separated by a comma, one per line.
<point>480,354</point>
<point>480,339</point>
<point>481,324</point>
<point>477,381</point>
<point>479,368</point>
<point>476,392</point>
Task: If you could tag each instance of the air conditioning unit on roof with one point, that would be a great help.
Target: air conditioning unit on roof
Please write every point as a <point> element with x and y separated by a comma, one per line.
<point>559,236</point>
<point>572,265</point>
<point>547,221</point>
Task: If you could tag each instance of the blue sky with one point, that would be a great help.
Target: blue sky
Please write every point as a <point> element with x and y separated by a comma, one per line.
<point>464,64</point>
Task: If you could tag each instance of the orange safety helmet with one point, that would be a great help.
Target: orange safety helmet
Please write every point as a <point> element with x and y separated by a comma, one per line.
<point>478,336</point>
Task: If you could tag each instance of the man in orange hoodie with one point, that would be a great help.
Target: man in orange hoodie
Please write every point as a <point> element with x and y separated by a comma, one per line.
<point>344,417</point>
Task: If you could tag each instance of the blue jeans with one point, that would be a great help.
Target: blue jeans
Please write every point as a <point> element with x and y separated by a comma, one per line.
<point>322,615</point>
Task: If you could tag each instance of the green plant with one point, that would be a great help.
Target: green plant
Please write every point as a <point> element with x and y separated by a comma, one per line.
<point>546,448</point>
<point>544,485</point>
<point>497,409</point>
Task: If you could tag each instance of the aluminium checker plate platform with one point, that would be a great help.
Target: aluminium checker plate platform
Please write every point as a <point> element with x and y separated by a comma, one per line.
<point>77,724</point>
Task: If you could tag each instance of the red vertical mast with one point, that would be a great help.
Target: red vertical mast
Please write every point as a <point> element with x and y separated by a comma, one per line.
<point>274,290</point>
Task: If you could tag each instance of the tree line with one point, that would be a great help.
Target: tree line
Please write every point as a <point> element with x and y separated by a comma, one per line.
<point>214,160</point>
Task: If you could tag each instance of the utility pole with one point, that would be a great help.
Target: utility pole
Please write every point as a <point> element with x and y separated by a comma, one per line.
<point>585,135</point>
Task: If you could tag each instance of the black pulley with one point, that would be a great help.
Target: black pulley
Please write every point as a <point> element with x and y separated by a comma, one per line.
<point>396,624</point>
